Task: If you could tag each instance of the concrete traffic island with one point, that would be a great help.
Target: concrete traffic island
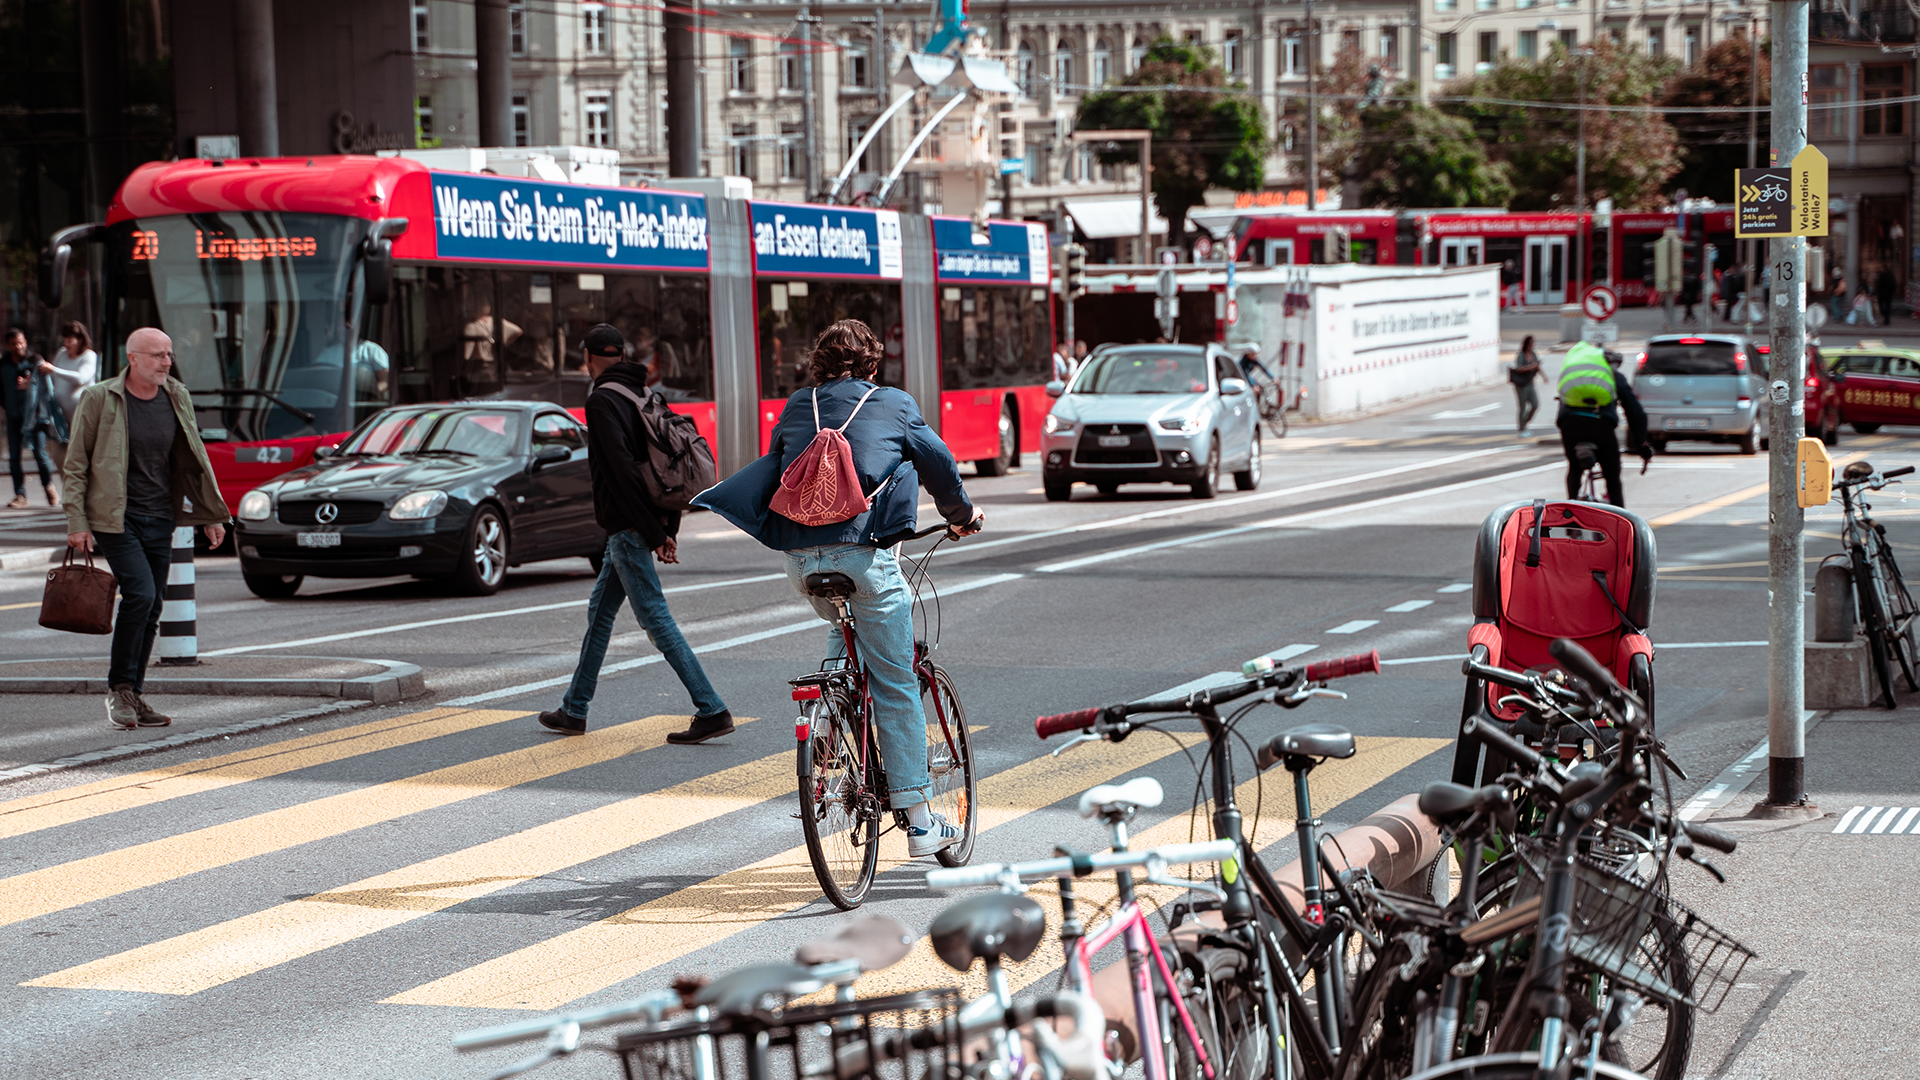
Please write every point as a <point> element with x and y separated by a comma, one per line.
<point>267,675</point>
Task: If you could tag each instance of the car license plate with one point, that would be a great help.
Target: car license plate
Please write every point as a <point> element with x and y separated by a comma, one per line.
<point>317,540</point>
<point>1115,440</point>
<point>1687,423</point>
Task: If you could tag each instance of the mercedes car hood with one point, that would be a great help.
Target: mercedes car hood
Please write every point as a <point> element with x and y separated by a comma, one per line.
<point>378,476</point>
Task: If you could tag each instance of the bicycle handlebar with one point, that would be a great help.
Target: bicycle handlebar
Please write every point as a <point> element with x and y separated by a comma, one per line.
<point>1080,719</point>
<point>1901,471</point>
<point>1478,729</point>
<point>1367,663</point>
<point>649,1006</point>
<point>1080,865</point>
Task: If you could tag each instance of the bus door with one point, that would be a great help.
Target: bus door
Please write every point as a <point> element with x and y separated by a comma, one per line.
<point>1462,251</point>
<point>1546,270</point>
<point>996,338</point>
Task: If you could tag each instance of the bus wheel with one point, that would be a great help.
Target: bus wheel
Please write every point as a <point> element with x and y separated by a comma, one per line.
<point>1009,455</point>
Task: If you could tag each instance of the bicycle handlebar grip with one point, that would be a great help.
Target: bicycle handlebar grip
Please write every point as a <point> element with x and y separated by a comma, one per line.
<point>1707,836</point>
<point>1581,662</point>
<point>960,877</point>
<point>1078,720</point>
<point>1512,680</point>
<point>1364,664</point>
<point>1495,739</point>
<point>1901,471</point>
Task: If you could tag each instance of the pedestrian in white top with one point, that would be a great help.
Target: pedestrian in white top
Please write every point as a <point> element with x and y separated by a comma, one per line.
<point>74,368</point>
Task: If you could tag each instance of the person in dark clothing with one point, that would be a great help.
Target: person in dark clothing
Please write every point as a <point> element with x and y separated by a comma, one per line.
<point>638,532</point>
<point>1883,289</point>
<point>1597,425</point>
<point>27,395</point>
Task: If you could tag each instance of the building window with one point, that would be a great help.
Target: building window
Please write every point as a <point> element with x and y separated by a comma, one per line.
<point>1565,3</point>
<point>522,122</point>
<point>1231,53</point>
<point>1527,45</point>
<point>1390,46</point>
<point>423,115</point>
<point>1023,69</point>
<point>1569,39</point>
<point>1878,82</point>
<point>1196,39</point>
<point>420,24</point>
<point>1033,164</point>
<point>1656,42</point>
<point>599,116</point>
<point>1614,36</point>
<point>1525,3</point>
<point>740,150</point>
<point>1827,86</point>
<point>857,65</point>
<point>1293,55</point>
<point>1063,66</point>
<point>1083,162</point>
<point>790,151</point>
<point>517,27</point>
<point>740,65</point>
<point>1444,49</point>
<point>1139,52</point>
<point>1489,52</point>
<point>1350,42</point>
<point>857,130</point>
<point>790,65</point>
<point>1446,5</point>
<point>1485,5</point>
<point>1691,44</point>
<point>1102,62</point>
<point>593,27</point>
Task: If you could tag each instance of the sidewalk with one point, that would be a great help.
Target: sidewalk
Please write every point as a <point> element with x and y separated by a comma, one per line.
<point>31,538</point>
<point>1826,912</point>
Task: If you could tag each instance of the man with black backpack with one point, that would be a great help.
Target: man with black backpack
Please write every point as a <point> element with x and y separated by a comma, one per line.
<point>646,468</point>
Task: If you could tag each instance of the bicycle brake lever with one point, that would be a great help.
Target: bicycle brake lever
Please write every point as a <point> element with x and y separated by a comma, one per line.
<point>1071,743</point>
<point>562,1040</point>
<point>1310,690</point>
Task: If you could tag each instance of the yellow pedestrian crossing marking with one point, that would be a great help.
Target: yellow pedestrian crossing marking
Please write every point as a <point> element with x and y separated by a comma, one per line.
<point>570,966</point>
<point>57,888</point>
<point>66,806</point>
<point>218,954</point>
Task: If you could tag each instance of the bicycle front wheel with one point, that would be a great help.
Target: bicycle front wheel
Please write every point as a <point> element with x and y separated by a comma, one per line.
<point>955,790</point>
<point>839,814</point>
<point>1873,615</point>
<point>1521,1065</point>
<point>1900,612</point>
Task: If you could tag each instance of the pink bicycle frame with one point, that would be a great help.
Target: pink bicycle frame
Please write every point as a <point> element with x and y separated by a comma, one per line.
<point>1131,920</point>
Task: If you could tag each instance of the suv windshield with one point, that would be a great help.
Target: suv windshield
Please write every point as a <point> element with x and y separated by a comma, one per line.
<point>1691,358</point>
<point>480,432</point>
<point>1144,373</point>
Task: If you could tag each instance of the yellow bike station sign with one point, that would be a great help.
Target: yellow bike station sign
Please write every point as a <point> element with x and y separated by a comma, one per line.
<point>1783,202</point>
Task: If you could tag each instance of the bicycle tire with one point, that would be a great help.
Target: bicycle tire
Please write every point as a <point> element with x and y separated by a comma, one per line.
<point>1514,1066</point>
<point>1873,615</point>
<point>956,785</point>
<point>1176,1048</point>
<point>1901,613</point>
<point>839,815</point>
<point>1233,1007</point>
<point>1379,1043</point>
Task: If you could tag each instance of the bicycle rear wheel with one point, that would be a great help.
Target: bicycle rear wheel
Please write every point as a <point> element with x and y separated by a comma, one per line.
<point>1873,615</point>
<point>839,814</point>
<point>955,790</point>
<point>1900,612</point>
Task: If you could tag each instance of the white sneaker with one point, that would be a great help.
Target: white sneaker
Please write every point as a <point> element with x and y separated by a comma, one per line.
<point>924,842</point>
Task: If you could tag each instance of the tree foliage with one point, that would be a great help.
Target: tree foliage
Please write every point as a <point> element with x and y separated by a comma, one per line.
<point>1201,139</point>
<point>1631,155</point>
<point>1715,144</point>
<point>1415,155</point>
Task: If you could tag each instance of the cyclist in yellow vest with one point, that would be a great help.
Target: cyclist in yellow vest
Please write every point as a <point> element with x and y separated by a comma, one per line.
<point>1592,393</point>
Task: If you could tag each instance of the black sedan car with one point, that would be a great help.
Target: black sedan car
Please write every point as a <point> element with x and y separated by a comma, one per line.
<point>456,492</point>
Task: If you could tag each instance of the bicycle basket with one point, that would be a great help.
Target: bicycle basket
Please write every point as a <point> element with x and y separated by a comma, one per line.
<point>1628,929</point>
<point>903,1037</point>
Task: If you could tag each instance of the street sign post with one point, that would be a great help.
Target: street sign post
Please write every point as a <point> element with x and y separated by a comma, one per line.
<point>1600,303</point>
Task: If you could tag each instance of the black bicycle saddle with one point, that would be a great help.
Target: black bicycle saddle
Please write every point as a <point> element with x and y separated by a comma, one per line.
<point>1450,804</point>
<point>989,927</point>
<point>1316,740</point>
<point>830,584</point>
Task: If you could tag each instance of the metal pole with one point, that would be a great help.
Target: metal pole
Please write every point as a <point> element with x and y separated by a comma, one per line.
<point>1753,141</point>
<point>809,144</point>
<point>1313,113</point>
<point>683,89</point>
<point>1580,150</point>
<point>254,79</point>
<point>1146,198</point>
<point>1786,582</point>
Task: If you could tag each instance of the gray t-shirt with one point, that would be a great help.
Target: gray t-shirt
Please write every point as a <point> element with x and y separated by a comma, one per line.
<point>151,427</point>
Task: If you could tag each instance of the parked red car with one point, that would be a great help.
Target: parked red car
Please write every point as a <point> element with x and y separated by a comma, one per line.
<point>1876,386</point>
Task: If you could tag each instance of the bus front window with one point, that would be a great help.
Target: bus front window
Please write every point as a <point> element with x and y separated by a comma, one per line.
<point>257,306</point>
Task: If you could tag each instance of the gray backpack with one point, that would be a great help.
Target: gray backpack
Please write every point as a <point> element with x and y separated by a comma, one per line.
<point>678,464</point>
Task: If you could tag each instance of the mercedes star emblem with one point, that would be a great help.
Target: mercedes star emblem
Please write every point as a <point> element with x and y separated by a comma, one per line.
<point>325,513</point>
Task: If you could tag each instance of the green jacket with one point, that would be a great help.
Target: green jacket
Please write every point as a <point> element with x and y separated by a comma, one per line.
<point>95,475</point>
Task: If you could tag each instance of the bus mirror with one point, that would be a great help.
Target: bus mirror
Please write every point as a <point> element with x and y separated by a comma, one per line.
<point>379,266</point>
<point>53,261</point>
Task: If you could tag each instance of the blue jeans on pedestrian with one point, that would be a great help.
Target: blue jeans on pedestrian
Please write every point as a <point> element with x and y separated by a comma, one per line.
<point>882,611</point>
<point>628,574</point>
<point>18,438</point>
<point>140,558</point>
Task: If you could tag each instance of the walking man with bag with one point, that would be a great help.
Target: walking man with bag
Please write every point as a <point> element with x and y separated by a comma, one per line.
<point>620,452</point>
<point>135,468</point>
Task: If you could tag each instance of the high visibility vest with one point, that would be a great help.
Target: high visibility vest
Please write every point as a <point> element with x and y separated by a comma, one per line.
<point>1586,379</point>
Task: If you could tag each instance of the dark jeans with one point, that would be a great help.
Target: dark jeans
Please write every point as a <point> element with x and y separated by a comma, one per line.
<point>1529,400</point>
<point>36,440</point>
<point>628,574</point>
<point>139,558</point>
<point>1575,430</point>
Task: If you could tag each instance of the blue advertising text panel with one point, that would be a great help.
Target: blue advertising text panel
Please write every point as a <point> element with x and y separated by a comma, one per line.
<point>498,218</point>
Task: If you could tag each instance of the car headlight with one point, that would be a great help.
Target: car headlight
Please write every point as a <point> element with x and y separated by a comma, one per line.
<point>256,506</point>
<point>418,504</point>
<point>1057,424</point>
<point>1185,425</point>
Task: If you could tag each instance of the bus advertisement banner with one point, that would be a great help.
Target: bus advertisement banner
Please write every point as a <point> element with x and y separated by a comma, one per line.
<point>826,241</point>
<point>508,219</point>
<point>1011,252</point>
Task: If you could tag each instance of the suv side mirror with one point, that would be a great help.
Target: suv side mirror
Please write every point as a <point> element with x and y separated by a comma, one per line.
<point>1232,387</point>
<point>1056,388</point>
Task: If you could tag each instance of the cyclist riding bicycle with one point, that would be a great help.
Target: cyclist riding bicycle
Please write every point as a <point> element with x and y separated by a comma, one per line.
<point>1592,392</point>
<point>1256,372</point>
<point>894,452</point>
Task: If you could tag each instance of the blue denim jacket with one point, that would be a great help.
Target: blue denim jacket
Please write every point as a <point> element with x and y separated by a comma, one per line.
<point>894,452</point>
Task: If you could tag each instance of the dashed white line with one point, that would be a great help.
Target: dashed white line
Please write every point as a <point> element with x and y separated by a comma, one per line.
<point>1286,653</point>
<point>1354,627</point>
<point>1458,586</point>
<point>1409,605</point>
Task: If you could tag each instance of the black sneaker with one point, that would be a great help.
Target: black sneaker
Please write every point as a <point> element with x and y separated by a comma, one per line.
<point>704,728</point>
<point>563,722</point>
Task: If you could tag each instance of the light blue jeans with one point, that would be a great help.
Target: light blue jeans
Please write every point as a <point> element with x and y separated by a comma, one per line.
<point>628,574</point>
<point>883,620</point>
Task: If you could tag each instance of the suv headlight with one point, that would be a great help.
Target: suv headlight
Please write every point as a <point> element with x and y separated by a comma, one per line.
<point>1057,424</point>
<point>1185,425</point>
<point>418,504</point>
<point>256,506</point>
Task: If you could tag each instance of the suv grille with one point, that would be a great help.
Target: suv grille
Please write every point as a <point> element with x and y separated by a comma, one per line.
<point>1138,449</point>
<point>351,512</point>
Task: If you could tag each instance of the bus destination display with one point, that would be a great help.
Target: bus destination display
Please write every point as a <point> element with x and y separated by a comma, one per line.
<point>146,246</point>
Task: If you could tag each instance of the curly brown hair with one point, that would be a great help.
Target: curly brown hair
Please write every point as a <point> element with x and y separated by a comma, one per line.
<point>848,347</point>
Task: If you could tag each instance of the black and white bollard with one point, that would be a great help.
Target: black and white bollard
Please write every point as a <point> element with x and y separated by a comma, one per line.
<point>179,641</point>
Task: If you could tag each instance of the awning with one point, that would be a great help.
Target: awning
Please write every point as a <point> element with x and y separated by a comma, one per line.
<point>1104,219</point>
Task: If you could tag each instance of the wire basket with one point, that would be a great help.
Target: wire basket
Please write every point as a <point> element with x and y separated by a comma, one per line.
<point>902,1037</point>
<point>1627,928</point>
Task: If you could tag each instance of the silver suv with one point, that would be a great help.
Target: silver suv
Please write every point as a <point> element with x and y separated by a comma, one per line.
<point>1144,414</point>
<point>1709,387</point>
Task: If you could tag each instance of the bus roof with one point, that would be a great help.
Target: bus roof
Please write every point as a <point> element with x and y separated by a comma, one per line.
<point>352,185</point>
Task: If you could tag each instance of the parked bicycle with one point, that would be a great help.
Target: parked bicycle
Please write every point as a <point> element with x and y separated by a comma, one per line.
<point>842,781</point>
<point>1886,607</point>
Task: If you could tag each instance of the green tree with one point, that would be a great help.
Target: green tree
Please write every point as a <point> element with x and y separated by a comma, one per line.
<point>1203,137</point>
<point>1415,155</point>
<point>1714,144</point>
<point>1632,151</point>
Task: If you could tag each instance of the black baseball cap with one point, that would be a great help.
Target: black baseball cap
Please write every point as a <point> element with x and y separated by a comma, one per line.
<point>605,340</point>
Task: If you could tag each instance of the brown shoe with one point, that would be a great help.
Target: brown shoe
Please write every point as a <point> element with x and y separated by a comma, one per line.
<point>53,495</point>
<point>19,503</point>
<point>148,717</point>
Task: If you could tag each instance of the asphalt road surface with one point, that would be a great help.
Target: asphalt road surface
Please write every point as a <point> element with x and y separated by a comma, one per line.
<point>338,898</point>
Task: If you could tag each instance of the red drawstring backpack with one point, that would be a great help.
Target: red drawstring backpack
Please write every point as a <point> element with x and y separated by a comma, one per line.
<point>821,486</point>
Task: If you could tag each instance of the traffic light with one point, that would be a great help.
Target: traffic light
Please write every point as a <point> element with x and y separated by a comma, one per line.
<point>1076,277</point>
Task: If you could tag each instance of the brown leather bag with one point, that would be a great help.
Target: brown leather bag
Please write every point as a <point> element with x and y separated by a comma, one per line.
<point>79,599</point>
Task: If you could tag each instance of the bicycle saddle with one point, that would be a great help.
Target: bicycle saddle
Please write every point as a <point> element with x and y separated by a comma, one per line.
<point>876,941</point>
<point>1315,740</point>
<point>1139,793</point>
<point>1450,804</point>
<point>990,928</point>
<point>830,584</point>
<point>739,993</point>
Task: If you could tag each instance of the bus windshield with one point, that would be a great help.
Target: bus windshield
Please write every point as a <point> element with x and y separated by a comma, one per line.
<point>257,305</point>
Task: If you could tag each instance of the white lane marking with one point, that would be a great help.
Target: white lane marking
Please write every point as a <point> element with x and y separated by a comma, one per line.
<point>1905,818</point>
<point>1291,519</point>
<point>1734,778</point>
<point>699,650</point>
<point>1861,825</point>
<point>1218,678</point>
<point>1354,627</point>
<point>1289,652</point>
<point>1709,645</point>
<point>1886,819</point>
<point>1424,659</point>
<point>1408,605</point>
<point>1462,414</point>
<point>1846,819</point>
<point>1458,586</point>
<point>475,617</point>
